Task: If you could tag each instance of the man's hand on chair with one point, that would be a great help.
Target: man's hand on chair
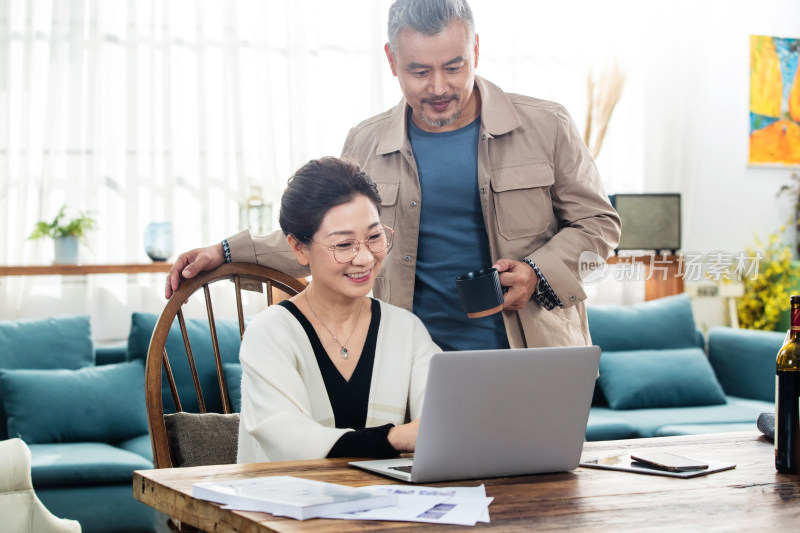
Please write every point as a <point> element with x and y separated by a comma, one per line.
<point>190,263</point>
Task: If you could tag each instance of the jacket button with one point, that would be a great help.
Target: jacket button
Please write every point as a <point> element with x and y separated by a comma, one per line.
<point>407,258</point>
<point>483,136</point>
<point>572,297</point>
<point>409,153</point>
<point>413,204</point>
<point>483,190</point>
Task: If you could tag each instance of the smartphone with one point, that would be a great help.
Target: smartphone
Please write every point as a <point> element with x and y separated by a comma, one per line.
<point>667,461</point>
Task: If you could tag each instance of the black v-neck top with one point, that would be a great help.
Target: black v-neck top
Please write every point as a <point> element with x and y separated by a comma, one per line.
<point>350,399</point>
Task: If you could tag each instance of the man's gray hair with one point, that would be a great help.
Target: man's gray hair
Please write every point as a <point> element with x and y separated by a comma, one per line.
<point>428,17</point>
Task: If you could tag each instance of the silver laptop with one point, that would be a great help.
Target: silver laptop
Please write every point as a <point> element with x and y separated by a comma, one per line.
<point>498,413</point>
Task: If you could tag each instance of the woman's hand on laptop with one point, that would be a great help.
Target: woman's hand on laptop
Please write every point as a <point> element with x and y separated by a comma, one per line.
<point>404,438</point>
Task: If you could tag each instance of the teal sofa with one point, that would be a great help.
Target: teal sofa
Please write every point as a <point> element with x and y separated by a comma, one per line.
<point>82,413</point>
<point>81,409</point>
<point>660,377</point>
<point>657,376</point>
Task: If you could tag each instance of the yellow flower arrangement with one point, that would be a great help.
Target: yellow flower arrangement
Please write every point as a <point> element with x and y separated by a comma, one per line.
<point>766,295</point>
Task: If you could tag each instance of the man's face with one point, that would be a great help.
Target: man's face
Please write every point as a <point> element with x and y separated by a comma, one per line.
<point>437,75</point>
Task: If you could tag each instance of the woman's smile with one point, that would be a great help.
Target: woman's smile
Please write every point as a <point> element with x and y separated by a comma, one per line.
<point>359,277</point>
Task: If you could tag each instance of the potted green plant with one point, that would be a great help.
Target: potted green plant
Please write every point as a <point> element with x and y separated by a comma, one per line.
<point>65,234</point>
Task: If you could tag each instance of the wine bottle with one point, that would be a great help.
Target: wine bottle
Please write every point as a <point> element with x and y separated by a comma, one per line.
<point>787,398</point>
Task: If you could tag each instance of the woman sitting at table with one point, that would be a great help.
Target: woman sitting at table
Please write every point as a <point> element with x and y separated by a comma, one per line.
<point>332,372</point>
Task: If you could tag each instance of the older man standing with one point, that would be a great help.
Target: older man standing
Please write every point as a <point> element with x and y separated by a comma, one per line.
<point>469,176</point>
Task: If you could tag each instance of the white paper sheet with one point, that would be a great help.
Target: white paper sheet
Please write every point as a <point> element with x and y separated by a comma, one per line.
<point>462,506</point>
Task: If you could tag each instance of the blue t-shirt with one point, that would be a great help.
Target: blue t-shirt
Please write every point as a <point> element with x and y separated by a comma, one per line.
<point>452,238</point>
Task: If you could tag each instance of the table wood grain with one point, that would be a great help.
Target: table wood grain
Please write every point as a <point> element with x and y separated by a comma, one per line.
<point>753,496</point>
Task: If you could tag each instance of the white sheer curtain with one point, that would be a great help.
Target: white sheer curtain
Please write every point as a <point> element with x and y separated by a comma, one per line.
<point>156,110</point>
<point>164,110</point>
<point>168,110</point>
<point>153,110</point>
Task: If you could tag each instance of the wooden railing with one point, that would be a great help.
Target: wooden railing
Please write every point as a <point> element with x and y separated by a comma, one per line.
<point>662,275</point>
<point>81,270</point>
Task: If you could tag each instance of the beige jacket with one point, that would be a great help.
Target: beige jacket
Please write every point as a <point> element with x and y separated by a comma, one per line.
<point>541,195</point>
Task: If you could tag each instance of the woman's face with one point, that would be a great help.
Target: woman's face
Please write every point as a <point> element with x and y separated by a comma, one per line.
<point>359,220</point>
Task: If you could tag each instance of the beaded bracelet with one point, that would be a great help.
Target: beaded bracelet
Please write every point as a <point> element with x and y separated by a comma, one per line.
<point>226,250</point>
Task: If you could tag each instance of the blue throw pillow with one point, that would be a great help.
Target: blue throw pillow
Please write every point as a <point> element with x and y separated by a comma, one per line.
<point>658,324</point>
<point>103,403</point>
<point>63,342</point>
<point>142,326</point>
<point>644,379</point>
<point>233,380</point>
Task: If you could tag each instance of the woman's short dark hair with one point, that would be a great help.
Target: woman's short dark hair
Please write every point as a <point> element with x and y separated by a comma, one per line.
<point>316,188</point>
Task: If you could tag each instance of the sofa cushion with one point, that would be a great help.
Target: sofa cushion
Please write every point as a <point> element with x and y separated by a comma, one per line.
<point>643,379</point>
<point>83,463</point>
<point>602,427</point>
<point>744,361</point>
<point>648,421</point>
<point>110,353</point>
<point>142,326</point>
<point>139,445</point>
<point>233,380</point>
<point>598,398</point>
<point>104,403</point>
<point>657,324</point>
<point>64,342</point>
<point>700,429</point>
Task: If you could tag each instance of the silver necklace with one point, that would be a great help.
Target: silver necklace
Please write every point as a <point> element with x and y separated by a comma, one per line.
<point>344,353</point>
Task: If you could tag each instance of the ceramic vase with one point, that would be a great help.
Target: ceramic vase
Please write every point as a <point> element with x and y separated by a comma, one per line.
<point>158,241</point>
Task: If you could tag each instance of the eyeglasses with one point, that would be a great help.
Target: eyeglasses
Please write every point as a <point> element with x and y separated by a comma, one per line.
<point>346,251</point>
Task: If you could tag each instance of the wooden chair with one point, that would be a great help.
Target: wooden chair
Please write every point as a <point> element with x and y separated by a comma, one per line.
<point>158,361</point>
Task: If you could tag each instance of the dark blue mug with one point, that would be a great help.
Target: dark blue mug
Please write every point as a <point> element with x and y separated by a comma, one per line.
<point>480,292</point>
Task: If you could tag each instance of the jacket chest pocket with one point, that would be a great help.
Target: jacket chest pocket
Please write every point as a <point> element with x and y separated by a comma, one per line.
<point>388,191</point>
<point>522,202</point>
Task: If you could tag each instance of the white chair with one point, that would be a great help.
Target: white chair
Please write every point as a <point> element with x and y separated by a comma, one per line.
<point>21,510</point>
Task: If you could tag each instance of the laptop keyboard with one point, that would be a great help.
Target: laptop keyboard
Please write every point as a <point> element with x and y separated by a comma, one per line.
<point>406,469</point>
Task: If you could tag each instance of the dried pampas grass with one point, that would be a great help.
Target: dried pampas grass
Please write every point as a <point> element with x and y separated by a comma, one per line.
<point>604,87</point>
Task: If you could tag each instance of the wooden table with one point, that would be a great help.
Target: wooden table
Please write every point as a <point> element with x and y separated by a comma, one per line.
<point>752,497</point>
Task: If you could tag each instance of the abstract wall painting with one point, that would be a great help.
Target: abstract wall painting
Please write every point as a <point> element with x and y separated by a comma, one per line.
<point>774,101</point>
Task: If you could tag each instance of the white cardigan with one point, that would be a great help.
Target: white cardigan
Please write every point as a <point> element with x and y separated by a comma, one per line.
<point>286,413</point>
